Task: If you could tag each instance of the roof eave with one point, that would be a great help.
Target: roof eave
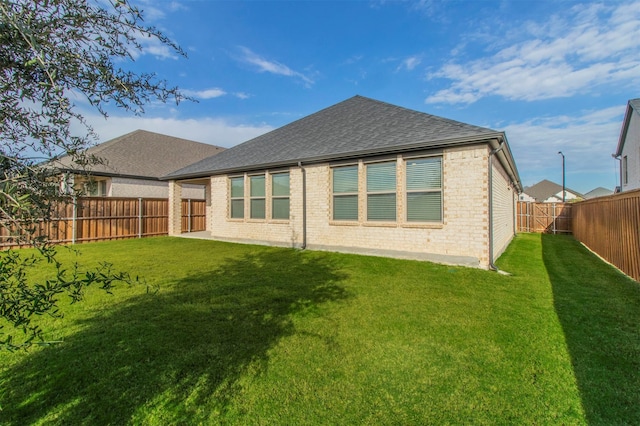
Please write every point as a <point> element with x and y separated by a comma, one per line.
<point>624,129</point>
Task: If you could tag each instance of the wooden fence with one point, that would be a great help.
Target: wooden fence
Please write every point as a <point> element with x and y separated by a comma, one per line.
<point>610,226</point>
<point>550,218</point>
<point>99,219</point>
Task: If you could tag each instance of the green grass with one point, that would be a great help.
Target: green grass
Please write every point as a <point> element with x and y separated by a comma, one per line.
<point>241,334</point>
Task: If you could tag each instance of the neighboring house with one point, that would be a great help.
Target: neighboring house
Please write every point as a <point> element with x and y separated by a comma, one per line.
<point>367,177</point>
<point>132,164</point>
<point>598,192</point>
<point>629,147</point>
<point>546,191</point>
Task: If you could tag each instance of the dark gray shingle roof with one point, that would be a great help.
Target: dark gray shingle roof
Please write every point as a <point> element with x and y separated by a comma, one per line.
<point>545,189</point>
<point>356,126</point>
<point>143,154</point>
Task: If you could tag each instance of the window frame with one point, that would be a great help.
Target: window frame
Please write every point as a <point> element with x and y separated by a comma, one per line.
<point>376,193</point>
<point>254,198</point>
<point>275,197</point>
<point>346,194</point>
<point>408,191</point>
<point>236,198</point>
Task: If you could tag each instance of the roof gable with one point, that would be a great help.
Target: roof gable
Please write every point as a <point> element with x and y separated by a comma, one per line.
<point>545,189</point>
<point>355,127</point>
<point>633,106</point>
<point>143,154</point>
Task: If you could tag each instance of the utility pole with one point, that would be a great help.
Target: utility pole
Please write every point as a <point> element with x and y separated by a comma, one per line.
<point>563,175</point>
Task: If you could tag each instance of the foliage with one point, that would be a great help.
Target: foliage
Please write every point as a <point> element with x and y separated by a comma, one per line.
<point>242,334</point>
<point>54,54</point>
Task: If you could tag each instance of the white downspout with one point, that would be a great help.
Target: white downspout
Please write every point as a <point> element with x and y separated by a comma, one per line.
<point>493,152</point>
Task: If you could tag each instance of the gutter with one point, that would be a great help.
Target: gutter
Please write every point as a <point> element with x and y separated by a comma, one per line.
<point>304,205</point>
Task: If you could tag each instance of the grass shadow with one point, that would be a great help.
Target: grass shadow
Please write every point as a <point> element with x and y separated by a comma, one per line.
<point>174,352</point>
<point>599,310</point>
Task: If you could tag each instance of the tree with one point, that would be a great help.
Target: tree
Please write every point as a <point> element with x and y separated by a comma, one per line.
<point>52,53</point>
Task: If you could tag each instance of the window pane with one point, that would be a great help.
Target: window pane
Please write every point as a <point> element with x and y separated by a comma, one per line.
<point>237,209</point>
<point>280,184</point>
<point>381,177</point>
<point>237,187</point>
<point>425,173</point>
<point>345,179</point>
<point>381,207</point>
<point>257,186</point>
<point>424,207</point>
<point>257,208</point>
<point>345,207</point>
<point>280,208</point>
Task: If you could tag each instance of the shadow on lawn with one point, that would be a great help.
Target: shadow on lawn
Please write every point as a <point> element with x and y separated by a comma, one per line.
<point>598,308</point>
<point>174,354</point>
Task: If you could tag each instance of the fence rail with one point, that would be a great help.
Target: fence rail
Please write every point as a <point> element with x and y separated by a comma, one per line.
<point>550,218</point>
<point>99,219</point>
<point>610,226</point>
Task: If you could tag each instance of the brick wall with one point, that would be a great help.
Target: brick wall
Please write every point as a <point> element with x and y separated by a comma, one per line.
<point>461,238</point>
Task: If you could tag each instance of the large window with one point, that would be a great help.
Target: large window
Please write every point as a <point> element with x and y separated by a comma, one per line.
<point>381,191</point>
<point>424,190</point>
<point>237,198</point>
<point>625,171</point>
<point>280,196</point>
<point>345,193</point>
<point>257,197</point>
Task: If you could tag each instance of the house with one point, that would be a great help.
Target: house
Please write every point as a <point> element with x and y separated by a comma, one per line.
<point>132,165</point>
<point>364,176</point>
<point>546,191</point>
<point>628,151</point>
<point>598,192</point>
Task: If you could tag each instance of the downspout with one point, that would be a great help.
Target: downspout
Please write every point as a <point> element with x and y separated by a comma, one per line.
<point>304,206</point>
<point>493,152</point>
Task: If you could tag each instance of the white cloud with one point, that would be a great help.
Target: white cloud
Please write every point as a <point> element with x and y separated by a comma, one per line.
<point>215,131</point>
<point>592,46</point>
<point>409,63</point>
<point>273,67</point>
<point>206,93</point>
<point>587,140</point>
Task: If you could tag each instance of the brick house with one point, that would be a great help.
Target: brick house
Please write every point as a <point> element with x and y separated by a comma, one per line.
<point>364,176</point>
<point>132,165</point>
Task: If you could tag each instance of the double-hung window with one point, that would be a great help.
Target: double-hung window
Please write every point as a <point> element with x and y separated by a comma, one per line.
<point>345,193</point>
<point>237,198</point>
<point>280,196</point>
<point>381,191</point>
<point>257,199</point>
<point>424,189</point>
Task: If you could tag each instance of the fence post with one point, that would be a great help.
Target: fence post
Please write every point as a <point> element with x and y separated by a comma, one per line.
<point>553,218</point>
<point>74,218</point>
<point>189,215</point>
<point>140,217</point>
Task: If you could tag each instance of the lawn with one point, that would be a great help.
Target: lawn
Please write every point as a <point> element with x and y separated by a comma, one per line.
<point>241,334</point>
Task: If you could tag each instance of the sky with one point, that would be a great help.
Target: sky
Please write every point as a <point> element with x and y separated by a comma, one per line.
<point>553,75</point>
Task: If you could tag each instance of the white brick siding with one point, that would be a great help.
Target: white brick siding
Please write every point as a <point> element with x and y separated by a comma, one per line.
<point>462,236</point>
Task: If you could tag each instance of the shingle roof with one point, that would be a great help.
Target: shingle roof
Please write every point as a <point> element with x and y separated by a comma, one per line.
<point>354,127</point>
<point>545,189</point>
<point>598,192</point>
<point>143,154</point>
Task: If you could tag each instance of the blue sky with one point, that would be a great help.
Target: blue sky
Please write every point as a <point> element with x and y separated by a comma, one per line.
<point>554,75</point>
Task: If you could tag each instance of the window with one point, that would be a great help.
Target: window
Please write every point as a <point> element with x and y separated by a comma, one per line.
<point>424,190</point>
<point>345,193</point>
<point>257,197</point>
<point>280,196</point>
<point>625,172</point>
<point>237,198</point>
<point>381,191</point>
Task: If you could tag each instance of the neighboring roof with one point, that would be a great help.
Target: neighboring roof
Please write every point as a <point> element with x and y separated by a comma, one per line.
<point>355,127</point>
<point>632,106</point>
<point>598,192</point>
<point>545,189</point>
<point>143,154</point>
